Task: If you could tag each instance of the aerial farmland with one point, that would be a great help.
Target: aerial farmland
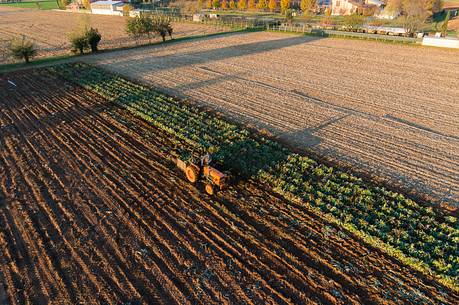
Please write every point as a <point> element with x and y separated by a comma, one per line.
<point>246,167</point>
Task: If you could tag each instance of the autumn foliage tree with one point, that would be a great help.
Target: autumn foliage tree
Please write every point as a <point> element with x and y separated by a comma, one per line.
<point>215,3</point>
<point>224,4</point>
<point>232,5</point>
<point>284,5</point>
<point>262,4</point>
<point>242,5</point>
<point>272,5</point>
<point>403,7</point>
<point>307,6</point>
<point>251,4</point>
<point>209,4</point>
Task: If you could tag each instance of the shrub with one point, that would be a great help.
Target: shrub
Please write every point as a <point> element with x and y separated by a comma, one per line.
<point>93,37</point>
<point>79,43</point>
<point>22,49</point>
<point>353,21</point>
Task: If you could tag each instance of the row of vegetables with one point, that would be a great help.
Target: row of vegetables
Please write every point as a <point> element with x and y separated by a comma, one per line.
<point>420,236</point>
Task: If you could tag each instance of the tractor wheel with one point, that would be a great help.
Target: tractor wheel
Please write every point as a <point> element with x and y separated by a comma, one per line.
<point>209,189</point>
<point>191,174</point>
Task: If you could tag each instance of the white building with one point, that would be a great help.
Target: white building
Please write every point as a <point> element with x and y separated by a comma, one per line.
<point>348,7</point>
<point>107,8</point>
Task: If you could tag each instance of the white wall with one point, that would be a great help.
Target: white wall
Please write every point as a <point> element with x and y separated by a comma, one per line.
<point>106,12</point>
<point>441,42</point>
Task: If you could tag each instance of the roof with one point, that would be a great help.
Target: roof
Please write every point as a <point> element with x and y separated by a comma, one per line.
<point>109,2</point>
<point>451,5</point>
<point>375,2</point>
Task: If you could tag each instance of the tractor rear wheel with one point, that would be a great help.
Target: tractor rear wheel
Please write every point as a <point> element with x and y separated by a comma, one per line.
<point>191,174</point>
<point>209,189</point>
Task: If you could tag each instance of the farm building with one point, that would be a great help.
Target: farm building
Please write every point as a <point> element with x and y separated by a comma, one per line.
<point>453,8</point>
<point>348,7</point>
<point>107,7</point>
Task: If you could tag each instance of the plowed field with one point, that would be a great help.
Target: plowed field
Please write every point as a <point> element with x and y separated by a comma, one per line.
<point>389,111</point>
<point>92,211</point>
<point>50,30</point>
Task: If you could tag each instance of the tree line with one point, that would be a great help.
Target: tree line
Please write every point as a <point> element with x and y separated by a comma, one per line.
<point>261,5</point>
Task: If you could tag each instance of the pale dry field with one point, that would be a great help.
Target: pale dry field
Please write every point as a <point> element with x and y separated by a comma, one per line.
<point>389,111</point>
<point>50,30</point>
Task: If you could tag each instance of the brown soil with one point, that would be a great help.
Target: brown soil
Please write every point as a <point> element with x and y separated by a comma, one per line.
<point>50,30</point>
<point>92,211</point>
<point>387,111</point>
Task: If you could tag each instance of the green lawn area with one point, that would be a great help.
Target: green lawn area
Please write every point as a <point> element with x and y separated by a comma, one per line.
<point>44,5</point>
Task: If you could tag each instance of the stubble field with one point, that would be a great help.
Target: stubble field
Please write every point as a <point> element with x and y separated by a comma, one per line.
<point>50,30</point>
<point>92,211</point>
<point>387,111</point>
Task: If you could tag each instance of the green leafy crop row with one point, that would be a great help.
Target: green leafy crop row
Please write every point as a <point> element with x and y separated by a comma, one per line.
<point>419,235</point>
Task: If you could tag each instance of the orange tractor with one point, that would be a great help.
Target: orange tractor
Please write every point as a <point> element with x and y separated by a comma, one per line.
<point>212,178</point>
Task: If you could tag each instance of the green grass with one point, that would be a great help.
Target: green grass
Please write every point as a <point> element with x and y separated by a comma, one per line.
<point>44,5</point>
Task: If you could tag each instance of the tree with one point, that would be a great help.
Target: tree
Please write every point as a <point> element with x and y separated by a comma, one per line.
<point>241,5</point>
<point>434,6</point>
<point>215,4</point>
<point>415,13</point>
<point>429,7</point>
<point>444,25</point>
<point>308,5</point>
<point>162,26</point>
<point>139,26</point>
<point>224,4</point>
<point>93,37</point>
<point>199,5</point>
<point>127,8</point>
<point>284,5</point>
<point>272,5</point>
<point>209,4</point>
<point>87,4</point>
<point>327,20</point>
<point>251,4</point>
<point>22,49</point>
<point>232,5</point>
<point>262,4</point>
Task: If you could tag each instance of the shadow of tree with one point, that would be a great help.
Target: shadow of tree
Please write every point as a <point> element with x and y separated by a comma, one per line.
<point>182,59</point>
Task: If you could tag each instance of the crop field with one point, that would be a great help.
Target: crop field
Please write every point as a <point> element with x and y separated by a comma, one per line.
<point>50,30</point>
<point>92,210</point>
<point>387,111</point>
<point>43,5</point>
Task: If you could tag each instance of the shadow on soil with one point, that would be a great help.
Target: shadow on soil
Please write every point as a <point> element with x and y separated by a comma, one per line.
<point>150,62</point>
